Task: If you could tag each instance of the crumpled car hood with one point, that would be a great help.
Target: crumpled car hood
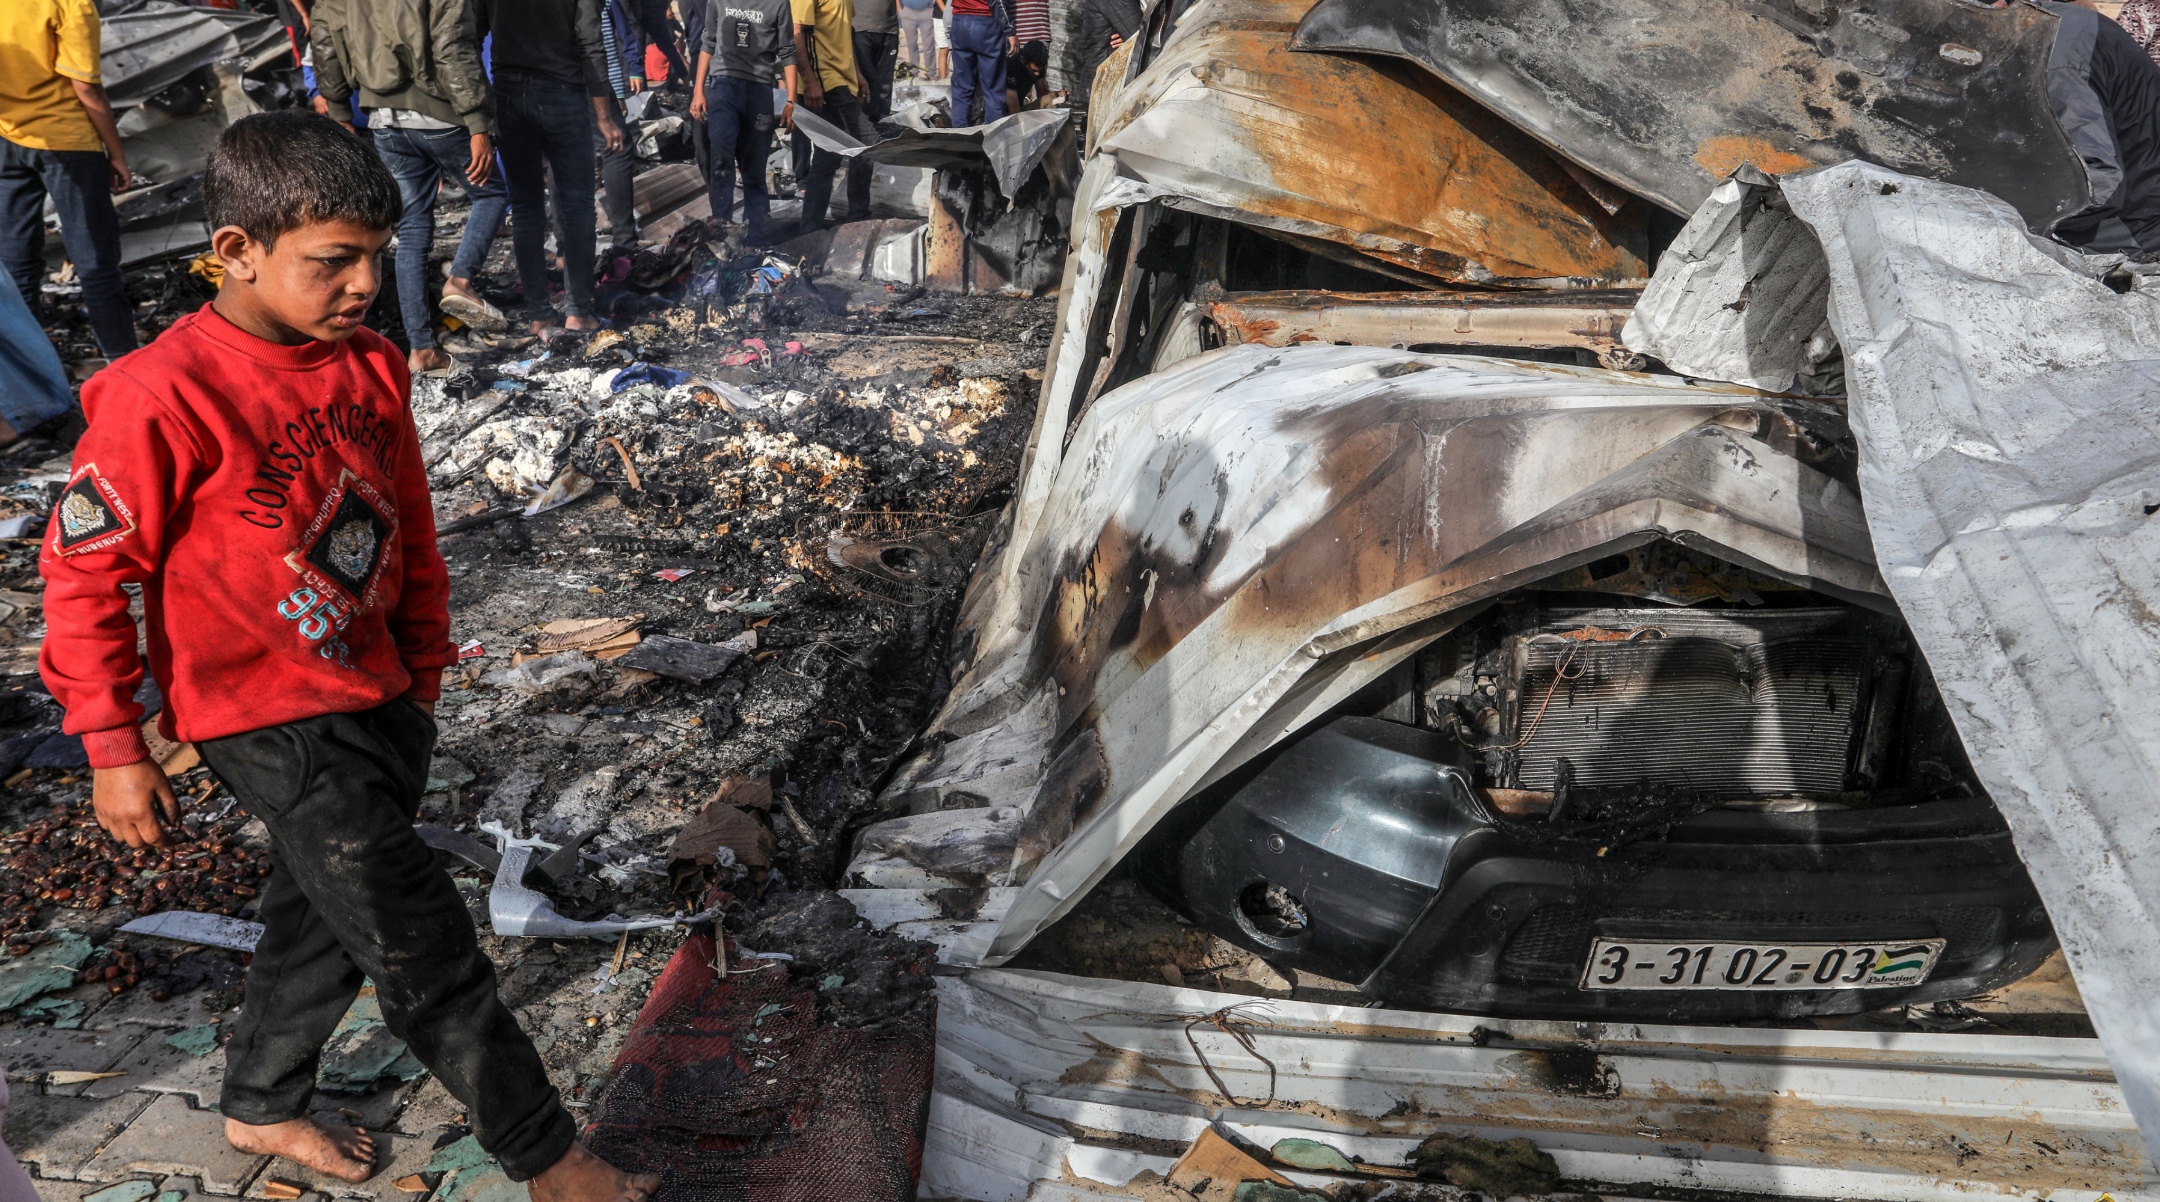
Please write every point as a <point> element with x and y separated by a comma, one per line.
<point>1232,545</point>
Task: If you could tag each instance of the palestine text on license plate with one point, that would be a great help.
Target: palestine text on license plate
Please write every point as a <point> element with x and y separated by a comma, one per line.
<point>1661,964</point>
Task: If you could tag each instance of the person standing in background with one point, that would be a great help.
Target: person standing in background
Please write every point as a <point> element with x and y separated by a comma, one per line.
<point>1104,26</point>
<point>653,14</point>
<point>414,69</point>
<point>551,93</point>
<point>1031,22</point>
<point>58,140</point>
<point>941,33</point>
<point>749,48</point>
<point>33,391</point>
<point>918,37</point>
<point>832,87</point>
<point>626,78</point>
<point>982,37</point>
<point>2141,20</point>
<point>877,47</point>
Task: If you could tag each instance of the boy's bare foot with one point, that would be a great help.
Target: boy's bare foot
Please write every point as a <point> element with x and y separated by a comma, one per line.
<point>581,1176</point>
<point>425,359</point>
<point>581,323</point>
<point>346,1153</point>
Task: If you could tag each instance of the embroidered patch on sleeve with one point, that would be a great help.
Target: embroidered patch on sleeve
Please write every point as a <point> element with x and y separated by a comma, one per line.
<point>92,517</point>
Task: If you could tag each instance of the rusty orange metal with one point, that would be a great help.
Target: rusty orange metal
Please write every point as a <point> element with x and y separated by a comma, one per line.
<point>1376,155</point>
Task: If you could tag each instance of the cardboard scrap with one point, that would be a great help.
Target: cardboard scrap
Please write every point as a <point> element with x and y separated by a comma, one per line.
<point>174,758</point>
<point>283,1190</point>
<point>71,1076</point>
<point>601,638</point>
<point>733,820</point>
<point>1213,1168</point>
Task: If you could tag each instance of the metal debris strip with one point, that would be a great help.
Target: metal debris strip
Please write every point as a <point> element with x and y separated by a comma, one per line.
<point>906,559</point>
<point>192,926</point>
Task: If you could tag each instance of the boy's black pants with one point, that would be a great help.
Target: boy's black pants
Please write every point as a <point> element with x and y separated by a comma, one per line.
<point>355,894</point>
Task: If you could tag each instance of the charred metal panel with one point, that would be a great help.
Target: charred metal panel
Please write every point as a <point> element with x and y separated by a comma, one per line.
<point>1667,99</point>
<point>1375,156</point>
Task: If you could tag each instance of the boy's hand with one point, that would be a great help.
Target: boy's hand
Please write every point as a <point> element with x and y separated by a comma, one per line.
<point>697,104</point>
<point>135,803</point>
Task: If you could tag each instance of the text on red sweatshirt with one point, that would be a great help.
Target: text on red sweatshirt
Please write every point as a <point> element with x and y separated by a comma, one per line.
<point>272,503</point>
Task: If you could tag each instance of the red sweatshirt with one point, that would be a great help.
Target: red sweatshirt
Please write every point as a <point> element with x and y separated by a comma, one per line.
<point>272,503</point>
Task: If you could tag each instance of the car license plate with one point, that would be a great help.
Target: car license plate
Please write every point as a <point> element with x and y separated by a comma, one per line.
<point>1621,964</point>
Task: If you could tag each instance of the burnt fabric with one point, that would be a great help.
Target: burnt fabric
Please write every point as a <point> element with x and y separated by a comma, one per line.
<point>731,1088</point>
<point>355,896</point>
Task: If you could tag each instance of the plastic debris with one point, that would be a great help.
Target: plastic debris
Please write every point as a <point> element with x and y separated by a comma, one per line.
<point>682,659</point>
<point>47,968</point>
<point>568,485</point>
<point>190,926</point>
<point>196,1041</point>
<point>647,373</point>
<point>536,676</point>
<point>515,909</point>
<point>362,1053</point>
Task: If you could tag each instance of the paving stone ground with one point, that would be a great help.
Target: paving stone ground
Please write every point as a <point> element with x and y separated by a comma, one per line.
<point>157,1122</point>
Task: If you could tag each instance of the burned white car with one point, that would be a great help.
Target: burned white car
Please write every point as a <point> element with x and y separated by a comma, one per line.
<point>1405,588</point>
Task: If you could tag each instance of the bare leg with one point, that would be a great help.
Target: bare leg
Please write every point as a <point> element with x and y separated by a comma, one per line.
<point>347,1153</point>
<point>581,1176</point>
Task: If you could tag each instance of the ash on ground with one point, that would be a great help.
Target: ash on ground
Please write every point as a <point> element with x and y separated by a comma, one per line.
<point>720,542</point>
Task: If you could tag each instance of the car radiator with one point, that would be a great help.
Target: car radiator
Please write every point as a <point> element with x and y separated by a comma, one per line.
<point>1748,703</point>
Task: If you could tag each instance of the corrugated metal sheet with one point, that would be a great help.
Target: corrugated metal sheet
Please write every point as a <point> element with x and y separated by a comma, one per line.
<point>2010,458</point>
<point>1054,1087</point>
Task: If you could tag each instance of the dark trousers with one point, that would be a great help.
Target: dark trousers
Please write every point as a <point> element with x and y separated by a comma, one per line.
<point>547,125</point>
<point>422,159</point>
<point>844,110</point>
<point>80,184</point>
<point>739,117</point>
<point>875,54</point>
<point>618,184</point>
<point>353,893</point>
<point>978,66</point>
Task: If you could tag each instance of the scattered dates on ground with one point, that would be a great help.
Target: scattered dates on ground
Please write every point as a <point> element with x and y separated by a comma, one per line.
<point>66,859</point>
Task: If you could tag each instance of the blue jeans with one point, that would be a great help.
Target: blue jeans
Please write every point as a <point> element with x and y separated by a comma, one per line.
<point>33,386</point>
<point>547,125</point>
<point>739,116</point>
<point>978,62</point>
<point>843,109</point>
<point>421,159</point>
<point>80,185</point>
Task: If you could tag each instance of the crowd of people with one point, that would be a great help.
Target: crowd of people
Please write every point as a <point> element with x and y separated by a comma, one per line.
<point>531,110</point>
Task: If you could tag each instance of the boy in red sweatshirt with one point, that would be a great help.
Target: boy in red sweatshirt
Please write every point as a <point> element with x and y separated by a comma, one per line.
<point>257,473</point>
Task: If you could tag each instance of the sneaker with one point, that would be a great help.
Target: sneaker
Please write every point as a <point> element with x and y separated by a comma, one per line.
<point>474,312</point>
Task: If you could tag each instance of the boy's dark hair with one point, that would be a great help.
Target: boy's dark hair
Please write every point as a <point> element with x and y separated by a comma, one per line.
<point>275,172</point>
